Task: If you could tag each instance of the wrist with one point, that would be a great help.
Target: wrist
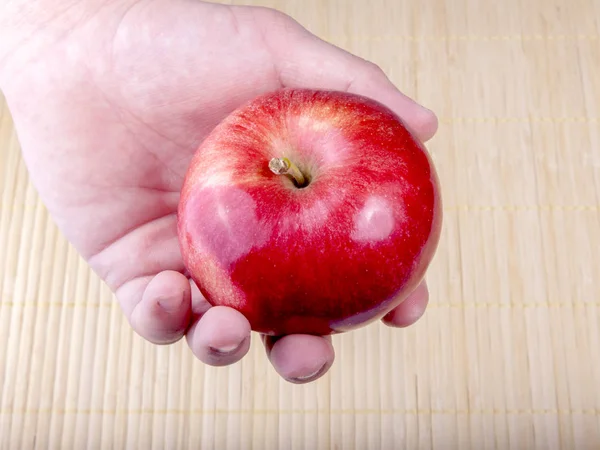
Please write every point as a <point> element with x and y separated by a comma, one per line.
<point>28,27</point>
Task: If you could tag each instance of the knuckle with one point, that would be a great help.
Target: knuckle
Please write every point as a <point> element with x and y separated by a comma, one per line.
<point>374,70</point>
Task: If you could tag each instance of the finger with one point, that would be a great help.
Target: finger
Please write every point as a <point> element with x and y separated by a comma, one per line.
<point>221,336</point>
<point>300,358</point>
<point>303,60</point>
<point>163,314</point>
<point>410,310</point>
<point>199,303</point>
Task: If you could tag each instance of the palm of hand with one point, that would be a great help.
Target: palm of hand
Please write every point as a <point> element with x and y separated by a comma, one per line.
<point>110,155</point>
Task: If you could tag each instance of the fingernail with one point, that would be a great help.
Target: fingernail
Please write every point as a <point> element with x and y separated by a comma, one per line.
<point>171,304</point>
<point>312,376</point>
<point>225,350</point>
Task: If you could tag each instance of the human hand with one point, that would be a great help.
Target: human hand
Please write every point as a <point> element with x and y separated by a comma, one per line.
<point>110,105</point>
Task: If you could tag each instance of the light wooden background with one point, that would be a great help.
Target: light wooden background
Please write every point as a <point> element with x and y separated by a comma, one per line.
<point>508,354</point>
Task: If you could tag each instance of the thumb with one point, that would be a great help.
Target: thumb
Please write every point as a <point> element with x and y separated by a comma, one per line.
<point>305,61</point>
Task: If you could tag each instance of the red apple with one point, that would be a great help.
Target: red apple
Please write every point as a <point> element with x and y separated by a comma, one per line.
<point>309,212</point>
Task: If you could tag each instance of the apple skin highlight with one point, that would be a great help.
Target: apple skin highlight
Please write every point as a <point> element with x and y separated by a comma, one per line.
<point>324,258</point>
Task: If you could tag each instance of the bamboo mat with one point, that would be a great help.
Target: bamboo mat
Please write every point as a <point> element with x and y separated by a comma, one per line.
<point>508,354</point>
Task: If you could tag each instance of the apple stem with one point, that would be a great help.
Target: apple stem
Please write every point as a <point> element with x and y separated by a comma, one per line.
<point>283,166</point>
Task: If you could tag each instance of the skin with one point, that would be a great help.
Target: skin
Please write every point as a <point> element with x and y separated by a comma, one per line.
<point>110,99</point>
